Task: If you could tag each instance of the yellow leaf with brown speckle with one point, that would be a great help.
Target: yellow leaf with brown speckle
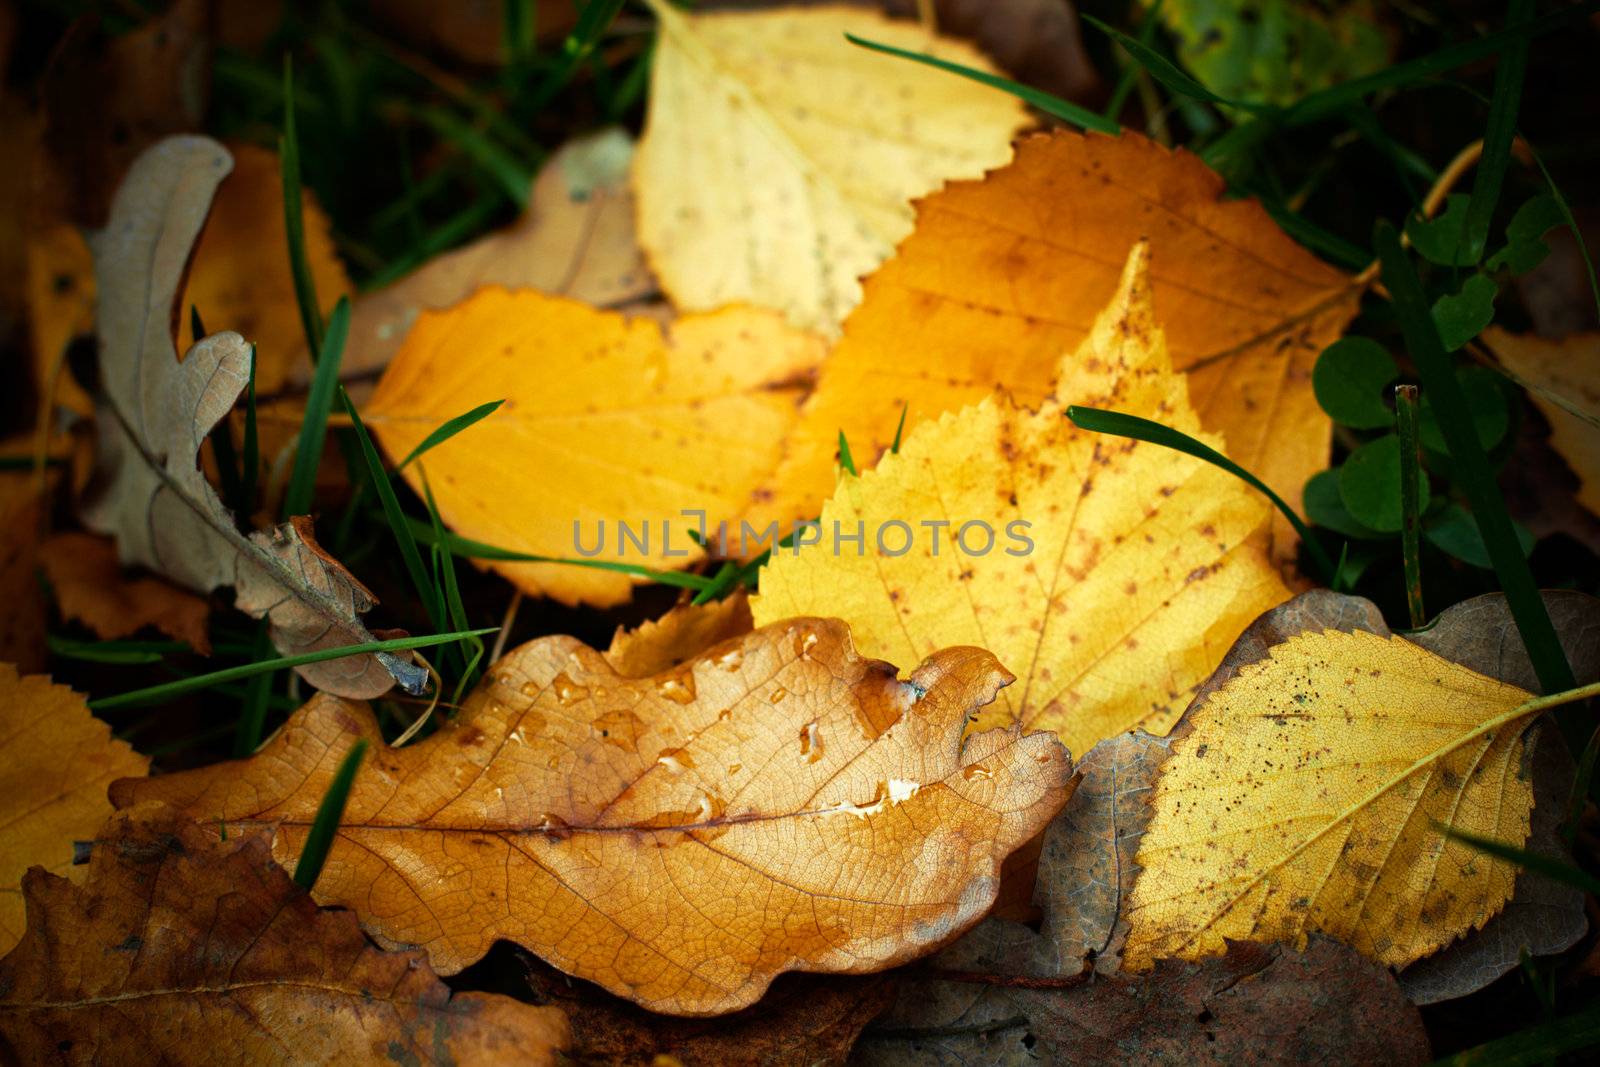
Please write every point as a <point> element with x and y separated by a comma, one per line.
<point>1117,573</point>
<point>1309,796</point>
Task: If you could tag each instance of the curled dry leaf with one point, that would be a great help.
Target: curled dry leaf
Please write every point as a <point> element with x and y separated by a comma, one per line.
<point>1563,381</point>
<point>1143,565</point>
<point>55,764</point>
<point>90,587</point>
<point>154,412</point>
<point>779,161</point>
<point>625,423</point>
<point>1004,275</point>
<point>241,279</point>
<point>575,239</point>
<point>681,634</point>
<point>184,950</point>
<point>777,804</point>
<point>1308,795</point>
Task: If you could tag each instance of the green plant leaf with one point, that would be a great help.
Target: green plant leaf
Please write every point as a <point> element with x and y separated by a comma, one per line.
<point>1168,74</point>
<point>1459,317</point>
<point>1486,402</point>
<point>1349,380</point>
<point>1369,485</point>
<point>1455,533</point>
<point>1473,473</point>
<point>1443,238</point>
<point>1325,508</point>
<point>1525,247</point>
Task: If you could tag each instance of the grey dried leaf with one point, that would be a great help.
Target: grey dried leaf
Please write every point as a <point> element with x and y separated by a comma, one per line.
<point>1086,866</point>
<point>154,412</point>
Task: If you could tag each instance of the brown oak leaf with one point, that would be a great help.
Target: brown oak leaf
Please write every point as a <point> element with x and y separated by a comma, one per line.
<point>777,804</point>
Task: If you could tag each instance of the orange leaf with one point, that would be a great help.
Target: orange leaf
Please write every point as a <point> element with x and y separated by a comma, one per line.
<point>1003,275</point>
<point>779,804</point>
<point>54,768</point>
<point>90,587</point>
<point>681,634</point>
<point>183,950</point>
<point>607,420</point>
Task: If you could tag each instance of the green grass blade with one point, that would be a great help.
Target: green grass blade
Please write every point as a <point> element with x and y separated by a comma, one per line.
<point>249,670</point>
<point>1541,1044</point>
<point>900,428</point>
<point>1130,71</point>
<point>1502,130</point>
<point>471,649</point>
<point>470,549</point>
<point>1122,425</point>
<point>329,813</point>
<point>1064,110</point>
<point>1315,237</point>
<point>1243,139</point>
<point>726,578</point>
<point>593,21</point>
<point>1473,473</point>
<point>319,402</point>
<point>258,698</point>
<point>1572,223</point>
<point>846,460</point>
<point>1564,873</point>
<point>448,430</point>
<point>305,287</point>
<point>501,166</point>
<point>118,653</point>
<point>1167,73</point>
<point>1406,417</point>
<point>399,525</point>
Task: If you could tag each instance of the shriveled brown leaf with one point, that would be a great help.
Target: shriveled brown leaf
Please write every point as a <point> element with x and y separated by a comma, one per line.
<point>183,950</point>
<point>55,764</point>
<point>90,587</point>
<point>154,412</point>
<point>1265,1004</point>
<point>681,634</point>
<point>803,1019</point>
<point>575,239</point>
<point>777,804</point>
<point>1086,868</point>
<point>1260,1004</point>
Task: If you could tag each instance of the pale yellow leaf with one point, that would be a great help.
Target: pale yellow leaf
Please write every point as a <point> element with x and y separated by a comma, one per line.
<point>779,160</point>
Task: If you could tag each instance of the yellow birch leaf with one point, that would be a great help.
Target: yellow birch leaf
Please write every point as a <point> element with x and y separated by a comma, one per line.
<point>1003,275</point>
<point>777,804</point>
<point>1144,564</point>
<point>1308,795</point>
<point>607,420</point>
<point>779,160</point>
<point>55,764</point>
<point>1563,381</point>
